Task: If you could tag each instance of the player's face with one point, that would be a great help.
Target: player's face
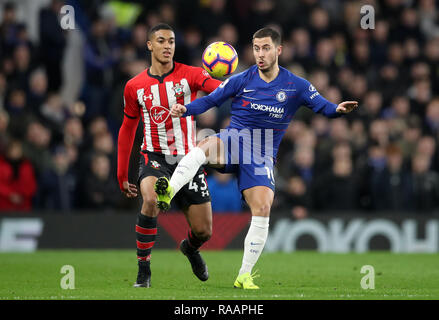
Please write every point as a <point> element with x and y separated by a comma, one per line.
<point>266,53</point>
<point>162,46</point>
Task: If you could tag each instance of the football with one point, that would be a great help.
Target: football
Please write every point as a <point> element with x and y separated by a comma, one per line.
<point>220,59</point>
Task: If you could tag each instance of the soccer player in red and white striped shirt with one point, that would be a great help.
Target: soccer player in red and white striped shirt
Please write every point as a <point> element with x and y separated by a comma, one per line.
<point>149,96</point>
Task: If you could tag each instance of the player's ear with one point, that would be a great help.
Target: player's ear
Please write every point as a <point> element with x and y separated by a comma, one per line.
<point>149,45</point>
<point>279,50</point>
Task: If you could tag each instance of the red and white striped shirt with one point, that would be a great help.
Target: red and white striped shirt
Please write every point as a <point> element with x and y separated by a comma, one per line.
<point>152,96</point>
<point>149,97</point>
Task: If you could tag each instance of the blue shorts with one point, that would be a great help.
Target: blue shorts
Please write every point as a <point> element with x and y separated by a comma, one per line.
<point>243,159</point>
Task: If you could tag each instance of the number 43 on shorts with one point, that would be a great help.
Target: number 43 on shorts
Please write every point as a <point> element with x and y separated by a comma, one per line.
<point>193,185</point>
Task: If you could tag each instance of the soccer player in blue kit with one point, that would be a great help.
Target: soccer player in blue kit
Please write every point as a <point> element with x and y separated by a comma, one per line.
<point>265,99</point>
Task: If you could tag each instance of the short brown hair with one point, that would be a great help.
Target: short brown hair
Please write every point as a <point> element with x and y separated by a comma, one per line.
<point>268,32</point>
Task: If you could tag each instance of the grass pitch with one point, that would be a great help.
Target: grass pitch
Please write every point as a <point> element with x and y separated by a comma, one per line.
<point>110,274</point>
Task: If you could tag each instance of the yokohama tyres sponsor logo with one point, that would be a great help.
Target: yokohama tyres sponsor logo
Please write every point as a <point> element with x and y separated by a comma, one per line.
<point>263,107</point>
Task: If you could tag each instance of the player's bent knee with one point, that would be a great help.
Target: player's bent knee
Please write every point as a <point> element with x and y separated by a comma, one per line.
<point>203,234</point>
<point>149,206</point>
<point>262,210</point>
<point>212,149</point>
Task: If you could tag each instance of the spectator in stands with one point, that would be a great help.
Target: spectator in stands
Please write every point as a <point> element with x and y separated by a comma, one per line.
<point>424,196</point>
<point>19,114</point>
<point>9,28</point>
<point>36,147</point>
<point>399,108</point>
<point>370,171</point>
<point>302,47</point>
<point>411,136</point>
<point>4,133</point>
<point>97,126</point>
<point>337,189</point>
<point>372,107</point>
<point>301,163</point>
<point>421,94</point>
<point>191,49</point>
<point>139,36</point>
<point>3,88</point>
<point>392,188</point>
<point>428,145</point>
<point>102,52</point>
<point>74,132</point>
<point>212,16</point>
<point>23,68</point>
<point>428,18</point>
<point>57,184</point>
<point>37,92</point>
<point>431,121</point>
<point>358,139</point>
<point>54,114</point>
<point>17,179</point>
<point>224,193</point>
<point>325,55</point>
<point>319,24</point>
<point>104,143</point>
<point>52,43</point>
<point>379,42</point>
<point>294,198</point>
<point>379,132</point>
<point>100,189</point>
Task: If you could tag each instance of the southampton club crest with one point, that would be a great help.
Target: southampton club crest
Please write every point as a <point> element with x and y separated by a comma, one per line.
<point>178,89</point>
<point>155,164</point>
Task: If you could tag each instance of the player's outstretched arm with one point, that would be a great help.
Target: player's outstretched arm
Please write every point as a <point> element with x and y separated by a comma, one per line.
<point>197,106</point>
<point>225,90</point>
<point>125,141</point>
<point>347,106</point>
<point>312,98</point>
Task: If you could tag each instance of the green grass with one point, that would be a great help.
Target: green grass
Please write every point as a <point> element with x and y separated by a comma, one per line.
<point>110,274</point>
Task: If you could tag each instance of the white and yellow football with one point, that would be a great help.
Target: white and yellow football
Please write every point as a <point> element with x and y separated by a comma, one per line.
<point>220,59</point>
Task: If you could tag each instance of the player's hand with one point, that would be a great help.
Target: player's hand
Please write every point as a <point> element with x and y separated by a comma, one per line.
<point>347,106</point>
<point>129,189</point>
<point>178,110</point>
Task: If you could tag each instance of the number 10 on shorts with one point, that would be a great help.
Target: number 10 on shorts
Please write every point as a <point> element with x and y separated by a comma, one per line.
<point>270,175</point>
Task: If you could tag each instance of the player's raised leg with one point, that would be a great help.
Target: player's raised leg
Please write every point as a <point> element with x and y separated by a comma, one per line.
<point>209,150</point>
<point>146,231</point>
<point>259,199</point>
<point>199,218</point>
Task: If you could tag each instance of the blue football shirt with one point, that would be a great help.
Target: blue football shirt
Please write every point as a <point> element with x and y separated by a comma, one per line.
<point>257,104</point>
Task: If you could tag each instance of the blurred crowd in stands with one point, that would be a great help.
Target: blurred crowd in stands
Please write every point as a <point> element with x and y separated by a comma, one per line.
<point>58,152</point>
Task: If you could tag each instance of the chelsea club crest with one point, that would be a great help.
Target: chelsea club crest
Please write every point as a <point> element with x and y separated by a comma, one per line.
<point>281,96</point>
